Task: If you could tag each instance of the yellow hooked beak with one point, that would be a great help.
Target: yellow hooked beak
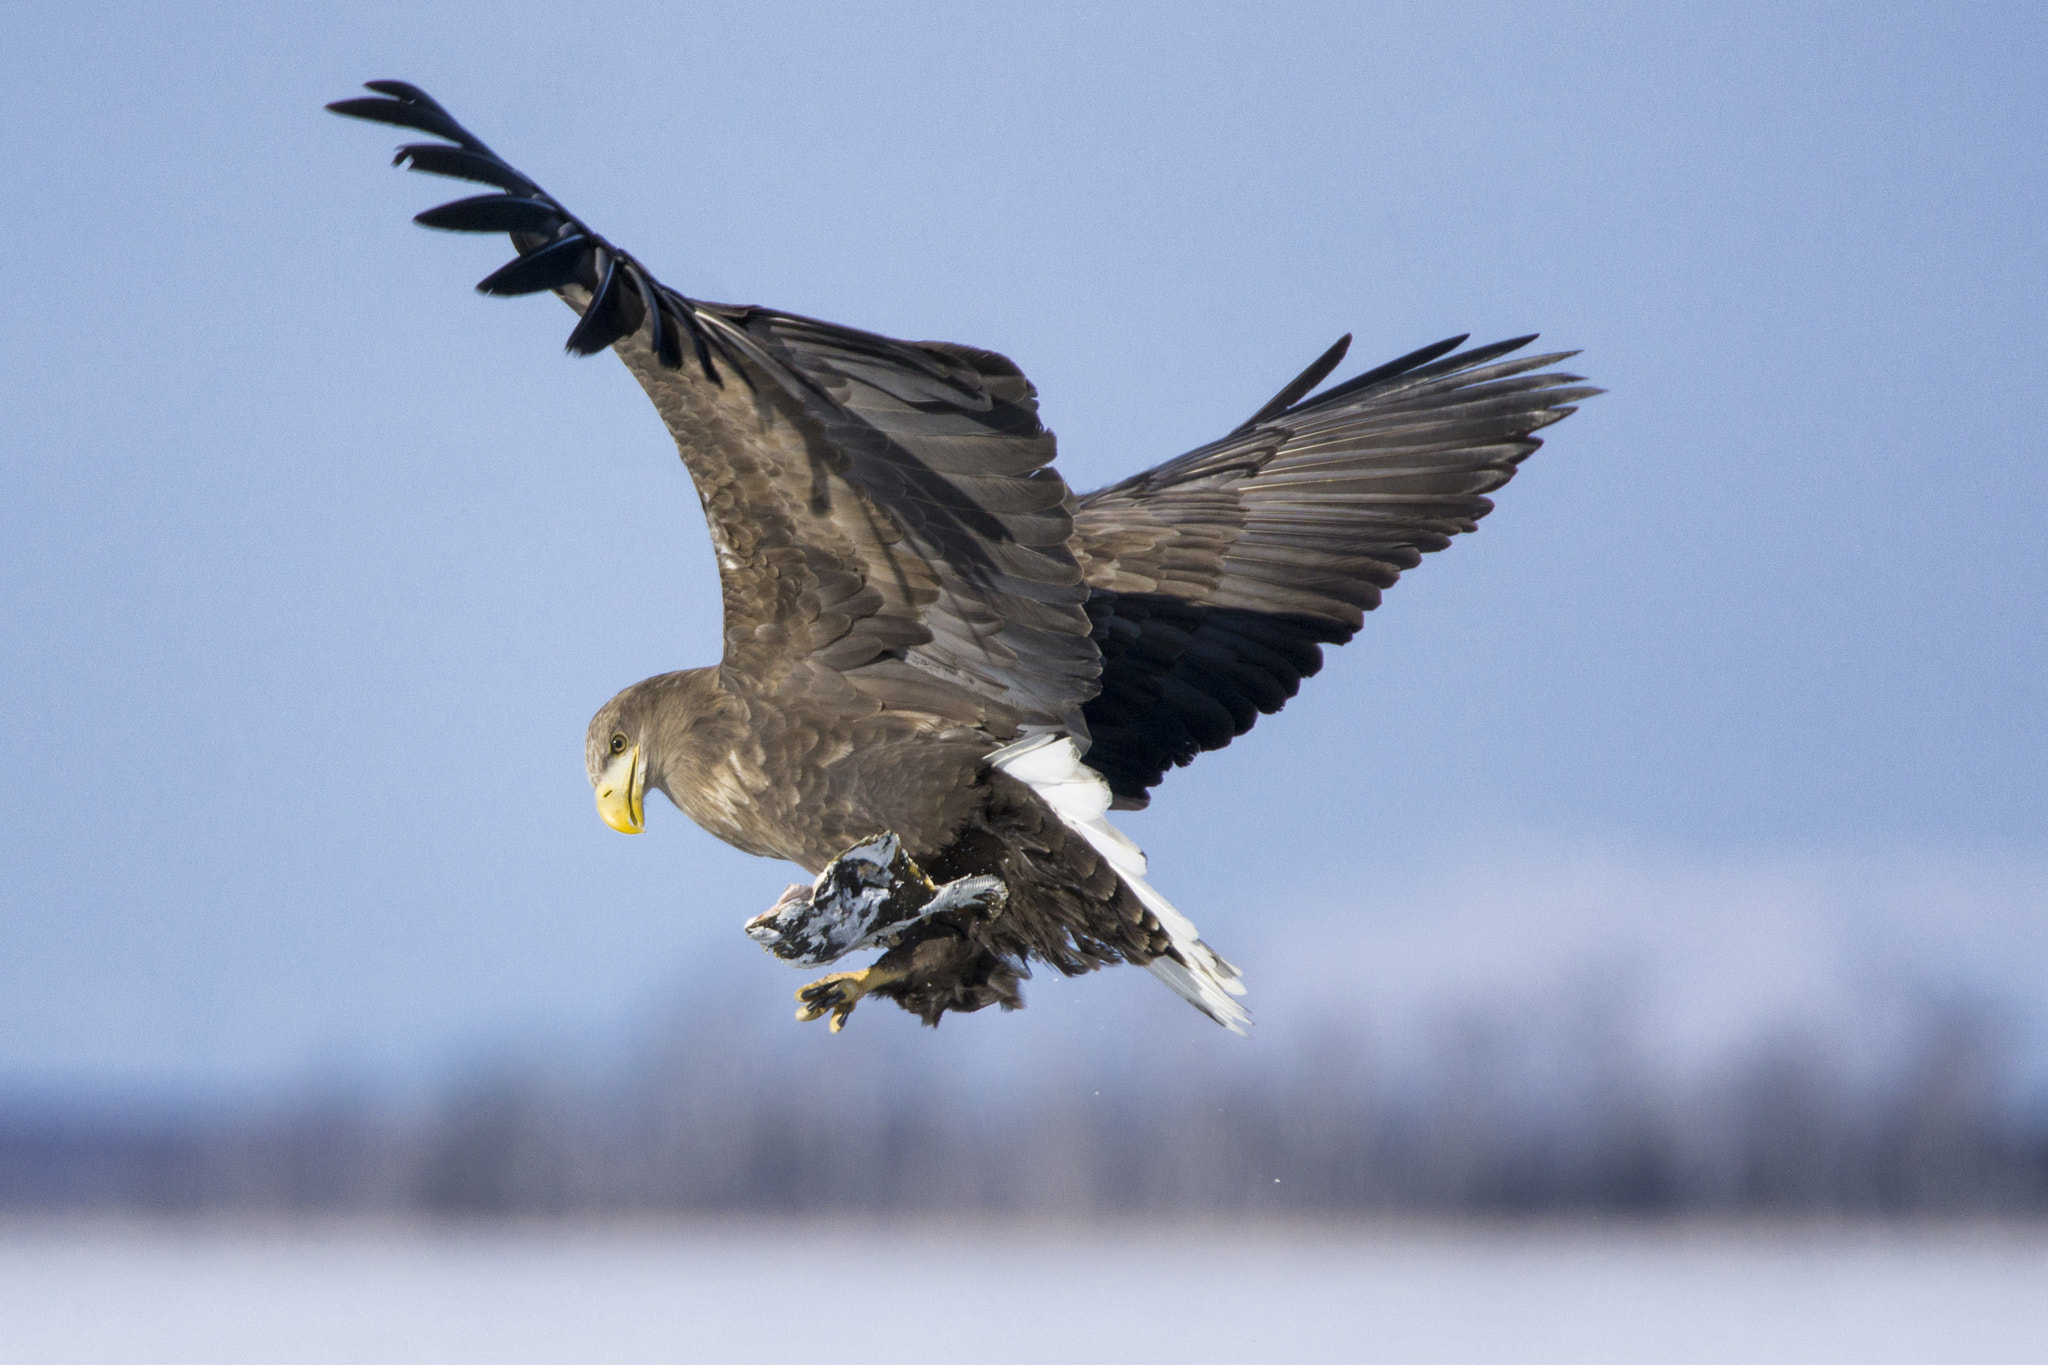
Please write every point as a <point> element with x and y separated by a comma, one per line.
<point>619,791</point>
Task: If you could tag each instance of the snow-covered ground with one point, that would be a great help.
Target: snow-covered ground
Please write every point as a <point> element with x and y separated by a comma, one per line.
<point>776,1292</point>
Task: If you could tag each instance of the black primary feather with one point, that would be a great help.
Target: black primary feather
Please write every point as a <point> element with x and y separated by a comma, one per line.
<point>1402,366</point>
<point>428,118</point>
<point>1317,371</point>
<point>701,342</point>
<point>604,321</point>
<point>460,163</point>
<point>661,337</point>
<point>1412,376</point>
<point>551,267</point>
<point>494,213</point>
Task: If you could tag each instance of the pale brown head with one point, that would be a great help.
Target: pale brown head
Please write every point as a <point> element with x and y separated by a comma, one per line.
<point>638,740</point>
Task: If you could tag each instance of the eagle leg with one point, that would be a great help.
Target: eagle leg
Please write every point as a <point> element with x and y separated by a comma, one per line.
<point>838,993</point>
<point>937,968</point>
<point>872,894</point>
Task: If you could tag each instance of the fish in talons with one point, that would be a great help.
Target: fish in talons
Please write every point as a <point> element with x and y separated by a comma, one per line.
<point>872,895</point>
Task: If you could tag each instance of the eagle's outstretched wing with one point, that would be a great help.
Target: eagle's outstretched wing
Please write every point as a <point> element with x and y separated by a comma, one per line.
<point>1215,578</point>
<point>883,510</point>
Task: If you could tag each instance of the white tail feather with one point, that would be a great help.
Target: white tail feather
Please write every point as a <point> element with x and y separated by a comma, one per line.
<point>1052,766</point>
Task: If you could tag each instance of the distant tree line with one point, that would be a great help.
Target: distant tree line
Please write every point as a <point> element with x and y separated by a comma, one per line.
<point>1480,1124</point>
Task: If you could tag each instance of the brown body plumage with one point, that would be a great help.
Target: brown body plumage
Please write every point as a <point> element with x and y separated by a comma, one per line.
<point>909,587</point>
<point>781,776</point>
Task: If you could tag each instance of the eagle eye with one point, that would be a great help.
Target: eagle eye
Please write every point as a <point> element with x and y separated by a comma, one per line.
<point>619,743</point>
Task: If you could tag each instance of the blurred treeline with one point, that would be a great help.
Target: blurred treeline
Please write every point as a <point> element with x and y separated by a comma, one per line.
<point>1491,1113</point>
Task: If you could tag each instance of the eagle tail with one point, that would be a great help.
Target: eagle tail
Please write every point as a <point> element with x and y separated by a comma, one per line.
<point>1197,973</point>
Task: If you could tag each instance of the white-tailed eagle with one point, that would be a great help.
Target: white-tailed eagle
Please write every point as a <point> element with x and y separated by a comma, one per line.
<point>942,668</point>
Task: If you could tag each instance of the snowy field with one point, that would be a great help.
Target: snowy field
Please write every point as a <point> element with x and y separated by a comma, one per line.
<point>777,1292</point>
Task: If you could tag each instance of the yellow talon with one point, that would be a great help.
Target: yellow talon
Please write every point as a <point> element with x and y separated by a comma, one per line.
<point>838,993</point>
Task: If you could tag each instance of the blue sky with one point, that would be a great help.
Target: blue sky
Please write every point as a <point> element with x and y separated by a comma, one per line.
<point>313,564</point>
